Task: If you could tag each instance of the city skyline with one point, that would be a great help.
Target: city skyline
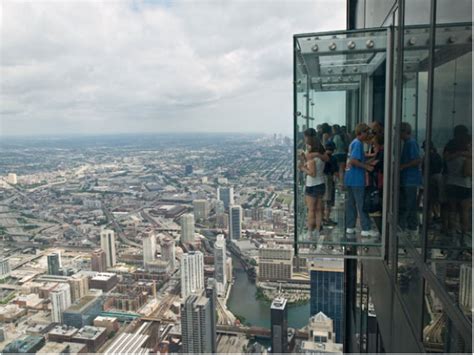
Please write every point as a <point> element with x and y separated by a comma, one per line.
<point>201,67</point>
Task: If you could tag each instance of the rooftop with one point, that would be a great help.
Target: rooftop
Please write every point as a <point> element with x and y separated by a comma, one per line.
<point>279,303</point>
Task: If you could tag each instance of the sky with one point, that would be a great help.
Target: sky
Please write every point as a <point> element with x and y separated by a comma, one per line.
<point>96,67</point>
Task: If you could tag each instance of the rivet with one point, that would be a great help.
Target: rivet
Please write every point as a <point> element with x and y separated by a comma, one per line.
<point>351,45</point>
<point>343,70</point>
<point>298,113</point>
<point>316,38</point>
<point>308,39</point>
<point>329,71</point>
<point>340,78</point>
<point>369,43</point>
<point>356,70</point>
<point>452,39</point>
<point>315,48</point>
<point>412,41</point>
<point>332,46</point>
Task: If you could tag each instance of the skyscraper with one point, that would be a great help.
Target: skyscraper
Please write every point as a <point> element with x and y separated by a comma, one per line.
<point>107,243</point>
<point>192,273</point>
<point>220,262</point>
<point>187,228</point>
<point>149,247</point>
<point>279,325</point>
<point>168,251</point>
<point>327,291</point>
<point>196,325</point>
<point>53,264</point>
<point>99,261</point>
<point>60,301</point>
<point>235,222</point>
<point>211,294</point>
<point>226,195</point>
<point>201,209</point>
<point>79,285</point>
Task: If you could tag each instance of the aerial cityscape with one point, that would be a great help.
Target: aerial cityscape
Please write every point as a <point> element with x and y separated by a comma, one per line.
<point>106,238</point>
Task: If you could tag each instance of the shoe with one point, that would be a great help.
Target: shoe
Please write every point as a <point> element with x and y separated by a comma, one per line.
<point>350,230</point>
<point>370,233</point>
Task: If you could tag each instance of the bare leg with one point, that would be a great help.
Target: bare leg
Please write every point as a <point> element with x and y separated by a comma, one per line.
<point>318,209</point>
<point>311,221</point>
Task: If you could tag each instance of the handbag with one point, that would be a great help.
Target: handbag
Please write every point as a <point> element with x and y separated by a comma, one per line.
<point>372,198</point>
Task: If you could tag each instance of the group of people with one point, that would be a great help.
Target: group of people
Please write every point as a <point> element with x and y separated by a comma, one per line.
<point>354,163</point>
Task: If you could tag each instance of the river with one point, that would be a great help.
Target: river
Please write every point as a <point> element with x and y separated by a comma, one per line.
<point>242,302</point>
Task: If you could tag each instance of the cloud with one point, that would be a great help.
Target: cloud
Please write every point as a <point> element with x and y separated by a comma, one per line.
<point>129,66</point>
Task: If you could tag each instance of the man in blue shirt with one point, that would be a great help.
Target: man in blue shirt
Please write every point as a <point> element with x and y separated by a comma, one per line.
<point>410,179</point>
<point>354,179</point>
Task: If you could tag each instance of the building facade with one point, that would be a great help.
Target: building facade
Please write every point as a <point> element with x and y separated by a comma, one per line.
<point>327,292</point>
<point>149,247</point>
<point>53,264</point>
<point>107,244</point>
<point>201,209</point>
<point>405,68</point>
<point>220,262</point>
<point>235,222</point>
<point>60,301</point>
<point>4,268</point>
<point>187,228</point>
<point>279,325</point>
<point>98,260</point>
<point>168,252</point>
<point>196,325</point>
<point>192,273</point>
<point>226,195</point>
<point>275,262</point>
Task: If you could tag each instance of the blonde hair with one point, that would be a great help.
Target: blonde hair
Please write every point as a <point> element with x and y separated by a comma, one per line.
<point>361,128</point>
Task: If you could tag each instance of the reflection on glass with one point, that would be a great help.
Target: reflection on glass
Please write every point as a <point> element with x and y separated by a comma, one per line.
<point>439,333</point>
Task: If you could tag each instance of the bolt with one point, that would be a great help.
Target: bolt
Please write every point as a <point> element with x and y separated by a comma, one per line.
<point>351,45</point>
<point>452,39</point>
<point>412,41</point>
<point>369,43</point>
<point>332,46</point>
<point>315,48</point>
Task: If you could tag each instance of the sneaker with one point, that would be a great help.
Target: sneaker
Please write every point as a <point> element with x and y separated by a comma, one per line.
<point>350,230</point>
<point>370,233</point>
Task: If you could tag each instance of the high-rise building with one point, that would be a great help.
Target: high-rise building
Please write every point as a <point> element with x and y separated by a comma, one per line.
<point>187,228</point>
<point>168,251</point>
<point>192,273</point>
<point>226,195</point>
<point>99,261</point>
<point>218,206</point>
<point>12,179</point>
<point>4,268</point>
<point>53,264</point>
<point>235,222</point>
<point>196,325</point>
<point>327,291</point>
<point>83,311</point>
<point>211,294</point>
<point>220,263</point>
<point>321,337</point>
<point>275,262</point>
<point>201,209</point>
<point>279,325</point>
<point>188,169</point>
<point>60,301</point>
<point>149,247</point>
<point>107,243</point>
<point>79,285</point>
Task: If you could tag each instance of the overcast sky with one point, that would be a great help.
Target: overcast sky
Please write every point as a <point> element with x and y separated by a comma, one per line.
<point>152,66</point>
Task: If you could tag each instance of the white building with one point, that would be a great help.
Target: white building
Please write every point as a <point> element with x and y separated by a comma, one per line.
<point>168,251</point>
<point>107,243</point>
<point>321,338</point>
<point>149,247</point>
<point>275,262</point>
<point>4,269</point>
<point>187,228</point>
<point>226,195</point>
<point>60,301</point>
<point>220,263</point>
<point>192,273</point>
<point>12,179</point>
<point>235,222</point>
<point>201,209</point>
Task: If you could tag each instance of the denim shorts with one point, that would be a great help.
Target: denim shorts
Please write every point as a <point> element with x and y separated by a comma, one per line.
<point>315,191</point>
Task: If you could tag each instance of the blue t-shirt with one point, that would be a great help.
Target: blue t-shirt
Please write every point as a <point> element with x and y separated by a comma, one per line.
<point>410,176</point>
<point>354,175</point>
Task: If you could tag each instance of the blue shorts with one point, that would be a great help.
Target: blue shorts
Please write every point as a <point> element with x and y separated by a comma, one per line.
<point>316,191</point>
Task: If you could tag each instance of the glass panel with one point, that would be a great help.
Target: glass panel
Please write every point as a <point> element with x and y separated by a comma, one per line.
<point>439,332</point>
<point>449,223</point>
<point>338,67</point>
